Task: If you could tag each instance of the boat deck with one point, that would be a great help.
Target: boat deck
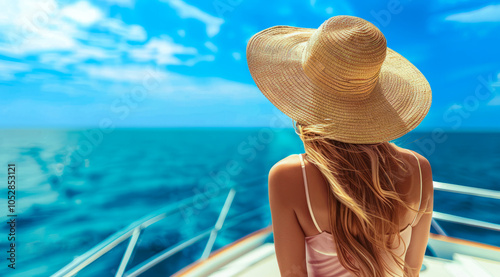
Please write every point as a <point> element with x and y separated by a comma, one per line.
<point>262,262</point>
<point>253,256</point>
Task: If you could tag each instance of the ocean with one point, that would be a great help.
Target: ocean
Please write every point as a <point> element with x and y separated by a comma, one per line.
<point>74,188</point>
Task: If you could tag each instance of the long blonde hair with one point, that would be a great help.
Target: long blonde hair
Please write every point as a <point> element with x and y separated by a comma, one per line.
<point>364,203</point>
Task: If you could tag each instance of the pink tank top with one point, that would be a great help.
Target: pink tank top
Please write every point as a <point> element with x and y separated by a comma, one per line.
<point>321,253</point>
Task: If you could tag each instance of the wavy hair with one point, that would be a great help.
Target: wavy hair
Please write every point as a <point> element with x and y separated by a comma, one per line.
<point>363,201</point>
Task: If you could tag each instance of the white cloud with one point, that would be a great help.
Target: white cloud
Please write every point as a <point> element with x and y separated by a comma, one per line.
<point>45,40</point>
<point>59,61</point>
<point>82,12</point>
<point>31,26</point>
<point>27,13</point>
<point>187,11</point>
<point>236,56</point>
<point>161,50</point>
<point>172,86</point>
<point>8,69</point>
<point>34,27</point>
<point>63,38</point>
<point>128,74</point>
<point>128,32</point>
<point>489,13</point>
<point>201,58</point>
<point>211,46</point>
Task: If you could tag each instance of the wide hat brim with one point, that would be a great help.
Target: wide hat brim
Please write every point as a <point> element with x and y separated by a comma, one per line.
<point>399,102</point>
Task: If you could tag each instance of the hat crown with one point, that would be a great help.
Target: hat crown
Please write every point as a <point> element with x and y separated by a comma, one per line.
<point>344,56</point>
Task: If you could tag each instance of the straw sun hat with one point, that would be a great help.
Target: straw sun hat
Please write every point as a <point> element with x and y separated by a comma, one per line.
<point>340,77</point>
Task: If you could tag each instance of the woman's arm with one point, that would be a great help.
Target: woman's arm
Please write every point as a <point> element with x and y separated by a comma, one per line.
<point>420,233</point>
<point>289,241</point>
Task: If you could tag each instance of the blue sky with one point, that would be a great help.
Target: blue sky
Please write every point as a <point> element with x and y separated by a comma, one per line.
<point>77,64</point>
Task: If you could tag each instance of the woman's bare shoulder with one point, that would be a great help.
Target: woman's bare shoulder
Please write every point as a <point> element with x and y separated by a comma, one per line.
<point>421,159</point>
<point>286,169</point>
<point>284,179</point>
<point>425,167</point>
<point>289,161</point>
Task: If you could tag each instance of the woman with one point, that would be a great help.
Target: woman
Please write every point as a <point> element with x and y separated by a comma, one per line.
<point>354,204</point>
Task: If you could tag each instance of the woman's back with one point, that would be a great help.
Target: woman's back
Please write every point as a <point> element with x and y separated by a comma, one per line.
<point>312,214</point>
<point>318,191</point>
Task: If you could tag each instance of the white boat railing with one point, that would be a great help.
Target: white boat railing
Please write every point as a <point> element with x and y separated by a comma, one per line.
<point>472,191</point>
<point>487,193</point>
<point>133,231</point>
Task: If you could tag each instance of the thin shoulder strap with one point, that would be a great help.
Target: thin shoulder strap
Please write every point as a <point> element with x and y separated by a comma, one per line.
<point>307,192</point>
<point>420,172</point>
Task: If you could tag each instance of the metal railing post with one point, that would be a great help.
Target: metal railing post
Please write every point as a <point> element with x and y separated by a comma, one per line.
<point>128,253</point>
<point>218,224</point>
<point>438,227</point>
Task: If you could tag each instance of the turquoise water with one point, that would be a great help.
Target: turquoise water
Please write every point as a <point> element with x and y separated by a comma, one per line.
<point>77,187</point>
